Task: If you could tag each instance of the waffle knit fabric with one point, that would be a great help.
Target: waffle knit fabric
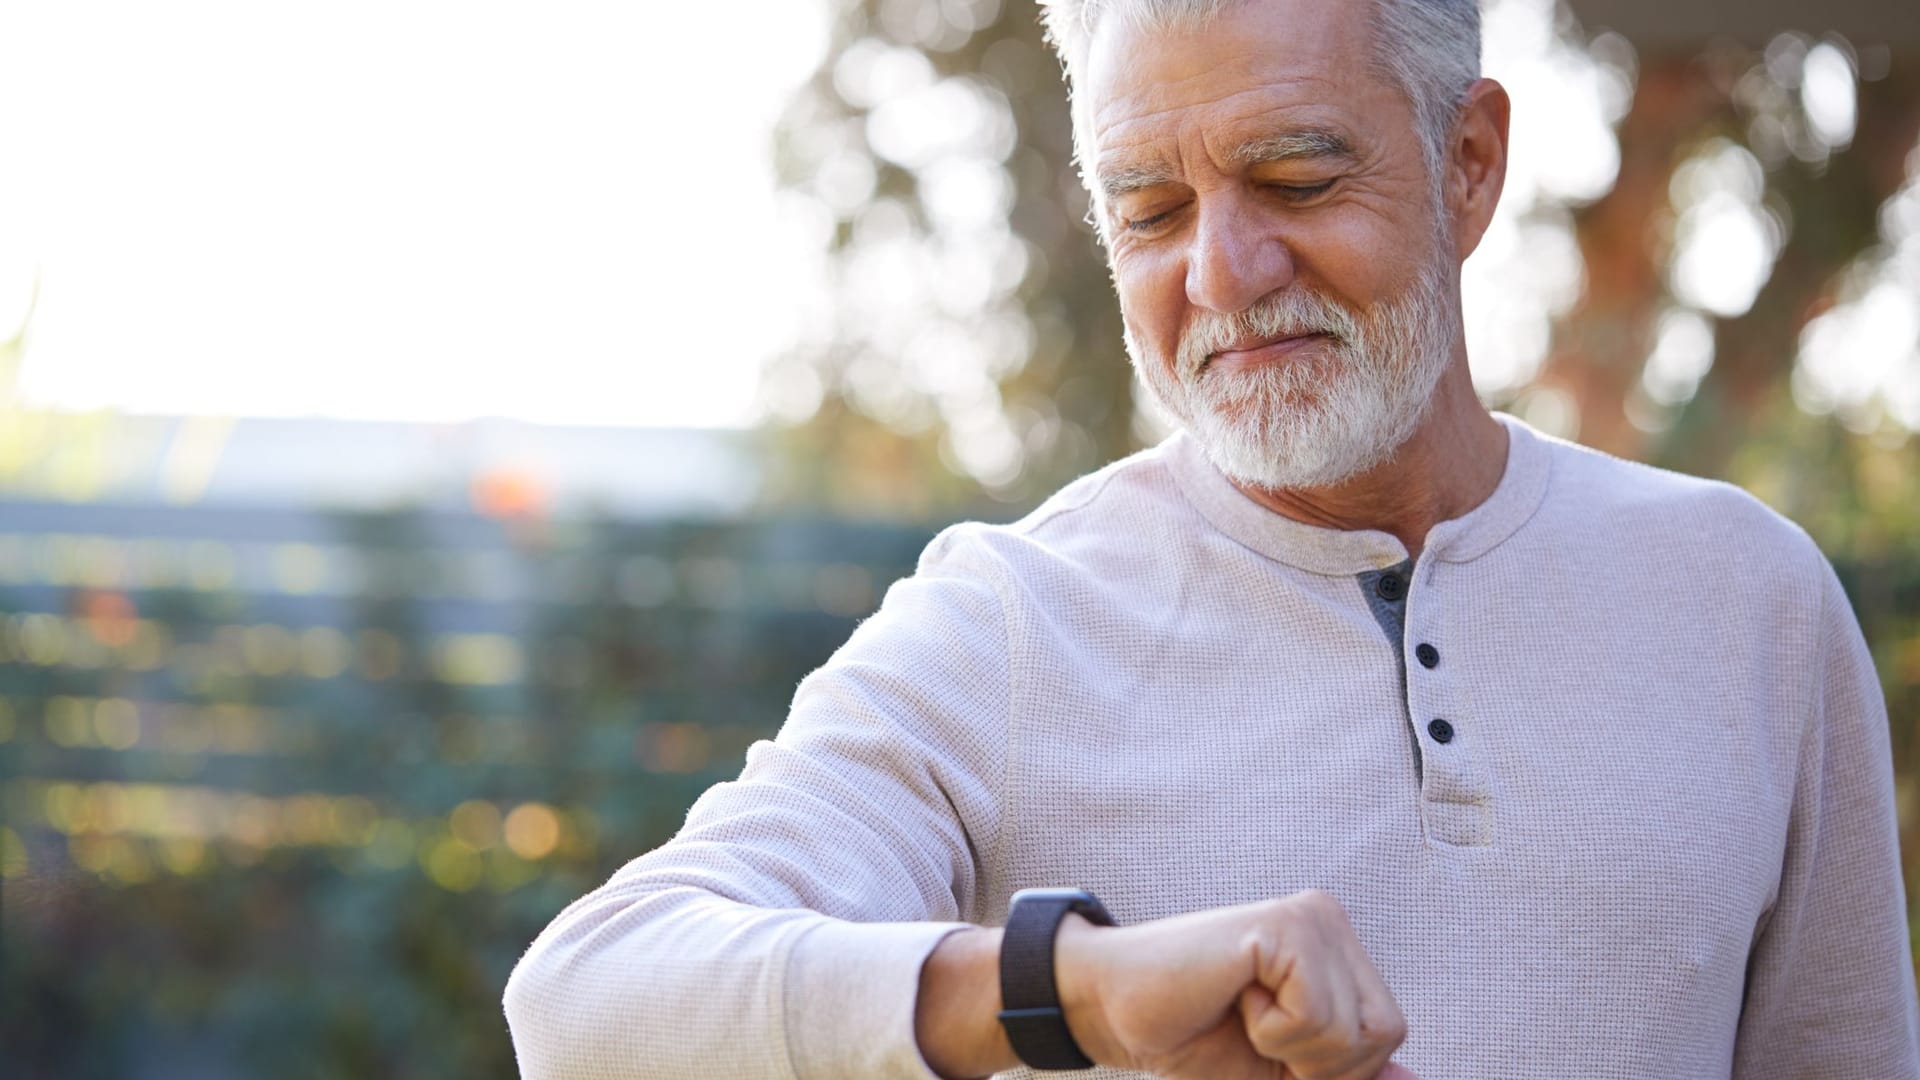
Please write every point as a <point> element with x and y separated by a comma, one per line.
<point>1659,840</point>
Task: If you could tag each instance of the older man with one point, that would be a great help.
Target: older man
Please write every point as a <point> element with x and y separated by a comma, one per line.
<point>1366,715</point>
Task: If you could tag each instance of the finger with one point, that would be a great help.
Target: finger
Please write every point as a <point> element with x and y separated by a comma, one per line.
<point>1356,1048</point>
<point>1353,1046</point>
<point>1395,1072</point>
<point>1341,1037</point>
<point>1259,1013</point>
<point>1337,1047</point>
<point>1290,995</point>
<point>1382,1024</point>
<point>1274,1031</point>
<point>1308,1019</point>
<point>1221,1053</point>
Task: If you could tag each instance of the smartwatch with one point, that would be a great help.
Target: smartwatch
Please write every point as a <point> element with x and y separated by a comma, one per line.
<point>1029,997</point>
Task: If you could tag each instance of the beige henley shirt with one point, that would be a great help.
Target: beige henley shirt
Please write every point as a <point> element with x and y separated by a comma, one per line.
<point>1654,837</point>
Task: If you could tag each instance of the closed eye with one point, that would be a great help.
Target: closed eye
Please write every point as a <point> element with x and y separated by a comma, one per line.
<point>1302,192</point>
<point>1293,193</point>
<point>1148,224</point>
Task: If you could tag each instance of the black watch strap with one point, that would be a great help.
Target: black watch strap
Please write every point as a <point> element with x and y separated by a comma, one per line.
<point>1029,997</point>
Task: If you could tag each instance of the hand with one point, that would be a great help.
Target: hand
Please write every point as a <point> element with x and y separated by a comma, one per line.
<point>1275,990</point>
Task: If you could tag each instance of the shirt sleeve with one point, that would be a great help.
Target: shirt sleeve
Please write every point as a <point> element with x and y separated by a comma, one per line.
<point>782,931</point>
<point>1830,984</point>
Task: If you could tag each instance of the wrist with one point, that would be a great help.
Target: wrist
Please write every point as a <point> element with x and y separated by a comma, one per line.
<point>1078,948</point>
<point>959,998</point>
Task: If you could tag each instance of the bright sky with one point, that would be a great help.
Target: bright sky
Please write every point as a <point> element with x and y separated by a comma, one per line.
<point>400,209</point>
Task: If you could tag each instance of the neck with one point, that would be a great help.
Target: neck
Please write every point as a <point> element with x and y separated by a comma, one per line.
<point>1450,465</point>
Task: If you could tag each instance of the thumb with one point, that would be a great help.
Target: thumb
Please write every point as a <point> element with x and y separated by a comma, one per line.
<point>1394,1072</point>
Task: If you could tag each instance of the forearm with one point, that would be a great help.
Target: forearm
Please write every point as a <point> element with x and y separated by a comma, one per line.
<point>623,982</point>
<point>678,982</point>
<point>957,1015</point>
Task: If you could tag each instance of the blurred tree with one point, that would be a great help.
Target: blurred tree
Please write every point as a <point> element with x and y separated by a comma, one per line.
<point>1716,143</point>
<point>972,342</point>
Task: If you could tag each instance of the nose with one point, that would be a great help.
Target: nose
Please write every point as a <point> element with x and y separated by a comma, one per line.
<point>1236,257</point>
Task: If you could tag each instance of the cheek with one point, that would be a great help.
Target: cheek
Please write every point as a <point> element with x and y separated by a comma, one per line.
<point>1362,258</point>
<point>1153,301</point>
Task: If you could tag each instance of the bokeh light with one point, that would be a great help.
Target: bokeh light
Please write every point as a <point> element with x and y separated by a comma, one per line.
<point>1568,93</point>
<point>1725,241</point>
<point>1861,359</point>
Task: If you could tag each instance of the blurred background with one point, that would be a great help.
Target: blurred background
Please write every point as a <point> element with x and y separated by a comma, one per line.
<point>435,438</point>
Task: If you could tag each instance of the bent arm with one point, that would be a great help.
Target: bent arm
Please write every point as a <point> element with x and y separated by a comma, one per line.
<point>782,932</point>
<point>1830,988</point>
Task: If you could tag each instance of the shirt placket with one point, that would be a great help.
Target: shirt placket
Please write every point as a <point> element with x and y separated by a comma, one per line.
<point>1456,790</point>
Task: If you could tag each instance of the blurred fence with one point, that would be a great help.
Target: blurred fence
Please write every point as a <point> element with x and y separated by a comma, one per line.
<point>285,793</point>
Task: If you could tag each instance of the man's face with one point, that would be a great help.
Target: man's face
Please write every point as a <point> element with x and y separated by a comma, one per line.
<point>1275,237</point>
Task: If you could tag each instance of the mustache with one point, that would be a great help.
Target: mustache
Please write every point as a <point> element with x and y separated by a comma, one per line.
<point>1294,313</point>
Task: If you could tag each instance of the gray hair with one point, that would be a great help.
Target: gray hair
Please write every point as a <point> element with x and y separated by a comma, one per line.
<point>1430,49</point>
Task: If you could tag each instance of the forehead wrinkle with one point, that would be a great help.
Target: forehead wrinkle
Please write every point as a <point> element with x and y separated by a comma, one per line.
<point>1158,100</point>
<point>1117,128</point>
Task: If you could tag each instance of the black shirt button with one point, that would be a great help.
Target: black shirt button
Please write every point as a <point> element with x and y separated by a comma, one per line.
<point>1441,731</point>
<point>1428,655</point>
<point>1391,587</point>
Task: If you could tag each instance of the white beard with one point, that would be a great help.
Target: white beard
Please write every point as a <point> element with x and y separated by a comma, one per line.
<point>1337,410</point>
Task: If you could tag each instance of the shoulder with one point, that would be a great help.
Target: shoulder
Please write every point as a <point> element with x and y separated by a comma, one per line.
<point>1634,500</point>
<point>1649,518</point>
<point>973,576</point>
<point>1102,524</point>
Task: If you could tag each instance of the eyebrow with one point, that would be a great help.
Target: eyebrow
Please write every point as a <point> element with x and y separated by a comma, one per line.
<point>1127,179</point>
<point>1292,144</point>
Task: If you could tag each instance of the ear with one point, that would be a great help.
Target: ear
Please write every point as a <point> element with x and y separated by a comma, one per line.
<point>1476,163</point>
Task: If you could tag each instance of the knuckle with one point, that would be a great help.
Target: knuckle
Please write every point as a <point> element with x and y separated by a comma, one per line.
<point>1319,904</point>
<point>1315,899</point>
<point>1274,909</point>
<point>1394,1024</point>
<point>1387,1031</point>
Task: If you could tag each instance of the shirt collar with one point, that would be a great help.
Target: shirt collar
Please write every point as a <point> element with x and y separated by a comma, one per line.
<point>1342,552</point>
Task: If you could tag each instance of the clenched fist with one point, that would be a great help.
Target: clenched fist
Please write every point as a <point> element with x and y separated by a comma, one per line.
<point>1276,990</point>
<point>1230,993</point>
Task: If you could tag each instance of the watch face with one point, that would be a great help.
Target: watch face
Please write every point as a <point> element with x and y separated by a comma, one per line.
<point>1076,900</point>
<point>1060,895</point>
